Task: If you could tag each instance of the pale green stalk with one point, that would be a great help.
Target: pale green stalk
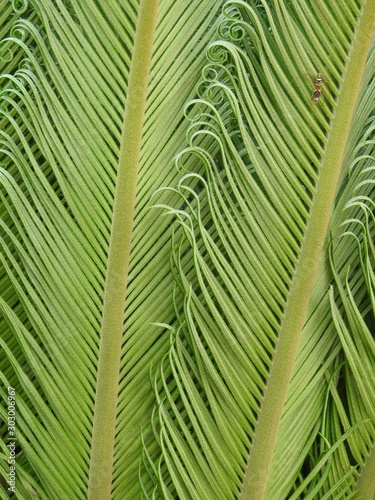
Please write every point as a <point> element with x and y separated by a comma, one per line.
<point>100,479</point>
<point>365,484</point>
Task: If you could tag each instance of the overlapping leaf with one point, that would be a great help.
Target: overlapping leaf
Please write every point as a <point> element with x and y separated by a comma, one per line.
<point>244,224</point>
<point>64,87</point>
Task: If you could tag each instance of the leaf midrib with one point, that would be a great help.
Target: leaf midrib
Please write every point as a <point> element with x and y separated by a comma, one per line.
<point>103,437</point>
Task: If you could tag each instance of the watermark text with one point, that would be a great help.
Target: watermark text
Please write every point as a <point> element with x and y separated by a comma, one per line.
<point>12,440</point>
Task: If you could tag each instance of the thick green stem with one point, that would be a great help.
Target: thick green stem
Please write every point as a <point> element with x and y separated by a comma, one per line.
<point>366,480</point>
<point>259,465</point>
<point>100,479</point>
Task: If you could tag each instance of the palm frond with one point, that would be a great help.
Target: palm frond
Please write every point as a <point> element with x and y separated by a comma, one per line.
<point>353,313</point>
<point>63,98</point>
<point>256,336</point>
<point>224,363</point>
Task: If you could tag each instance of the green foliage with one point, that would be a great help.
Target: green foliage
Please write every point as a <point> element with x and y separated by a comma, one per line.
<point>230,356</point>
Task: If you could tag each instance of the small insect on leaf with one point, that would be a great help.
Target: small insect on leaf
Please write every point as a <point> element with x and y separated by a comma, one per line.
<point>318,88</point>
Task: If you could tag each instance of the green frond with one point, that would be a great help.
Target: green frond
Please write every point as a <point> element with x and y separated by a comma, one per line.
<point>221,347</point>
<point>256,336</point>
<point>65,77</point>
<point>353,315</point>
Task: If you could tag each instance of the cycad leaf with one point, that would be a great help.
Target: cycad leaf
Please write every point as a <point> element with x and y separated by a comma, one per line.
<point>256,335</point>
<point>249,258</point>
<point>353,314</point>
<point>62,103</point>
